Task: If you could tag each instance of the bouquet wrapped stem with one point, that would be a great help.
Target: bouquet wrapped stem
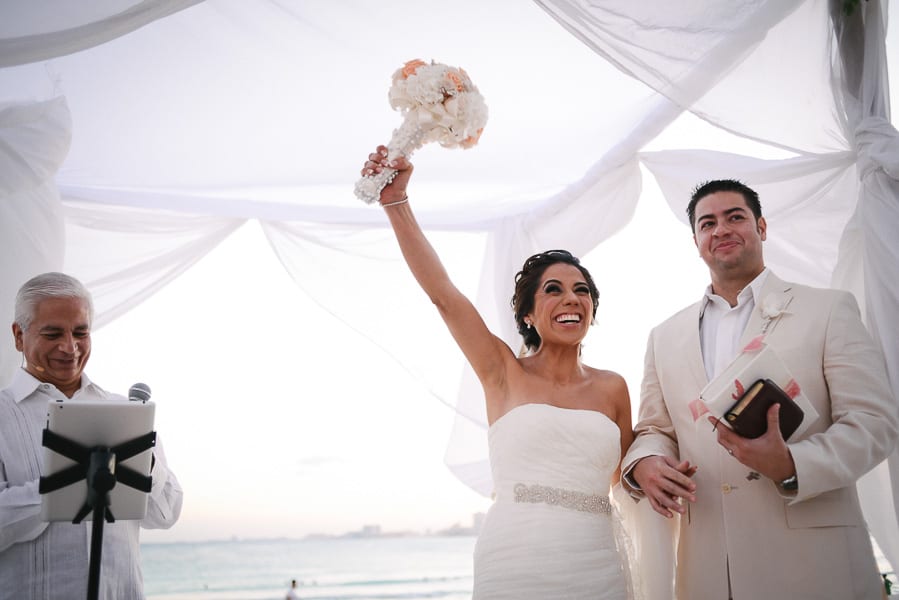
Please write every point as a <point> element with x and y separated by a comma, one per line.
<point>439,104</point>
<point>406,139</point>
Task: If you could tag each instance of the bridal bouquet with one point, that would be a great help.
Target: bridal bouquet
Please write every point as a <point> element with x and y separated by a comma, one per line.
<point>439,104</point>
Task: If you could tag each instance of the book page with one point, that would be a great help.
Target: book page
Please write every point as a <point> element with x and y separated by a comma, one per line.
<point>757,361</point>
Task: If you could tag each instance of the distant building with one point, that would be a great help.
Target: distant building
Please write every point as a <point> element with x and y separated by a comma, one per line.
<point>374,531</point>
<point>477,521</point>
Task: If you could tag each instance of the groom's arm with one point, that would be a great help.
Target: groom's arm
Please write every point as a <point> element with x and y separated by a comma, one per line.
<point>865,421</point>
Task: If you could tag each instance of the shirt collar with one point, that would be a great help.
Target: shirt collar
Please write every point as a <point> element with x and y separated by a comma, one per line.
<point>751,291</point>
<point>24,384</point>
<point>755,286</point>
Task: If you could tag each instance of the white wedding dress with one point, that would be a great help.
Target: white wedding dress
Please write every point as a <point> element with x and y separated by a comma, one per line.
<point>551,532</point>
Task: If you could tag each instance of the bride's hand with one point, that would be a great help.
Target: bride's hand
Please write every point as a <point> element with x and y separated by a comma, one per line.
<point>395,191</point>
<point>665,483</point>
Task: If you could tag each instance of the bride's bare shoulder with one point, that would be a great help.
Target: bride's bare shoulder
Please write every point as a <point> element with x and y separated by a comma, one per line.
<point>605,377</point>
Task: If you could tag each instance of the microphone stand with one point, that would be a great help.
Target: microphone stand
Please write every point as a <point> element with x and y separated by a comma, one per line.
<point>99,467</point>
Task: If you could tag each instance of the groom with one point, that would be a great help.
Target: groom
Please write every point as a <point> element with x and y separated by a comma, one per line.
<point>762,518</point>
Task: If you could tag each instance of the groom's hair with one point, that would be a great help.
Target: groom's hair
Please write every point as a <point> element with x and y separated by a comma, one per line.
<point>723,185</point>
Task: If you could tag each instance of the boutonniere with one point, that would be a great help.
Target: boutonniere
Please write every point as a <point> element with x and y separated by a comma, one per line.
<point>773,306</point>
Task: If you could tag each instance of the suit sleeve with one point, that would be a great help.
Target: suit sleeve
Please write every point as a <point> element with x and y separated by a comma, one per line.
<point>864,414</point>
<point>654,433</point>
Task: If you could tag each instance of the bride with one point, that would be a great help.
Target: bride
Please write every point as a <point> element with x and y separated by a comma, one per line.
<point>557,428</point>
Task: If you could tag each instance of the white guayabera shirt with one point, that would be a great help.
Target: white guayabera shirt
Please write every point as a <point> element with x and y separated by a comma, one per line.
<point>49,561</point>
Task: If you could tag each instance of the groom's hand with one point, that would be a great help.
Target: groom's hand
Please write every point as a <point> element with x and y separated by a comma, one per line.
<point>768,454</point>
<point>665,483</point>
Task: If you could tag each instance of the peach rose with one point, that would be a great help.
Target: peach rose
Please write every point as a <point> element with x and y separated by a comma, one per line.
<point>410,67</point>
<point>456,80</point>
<point>472,139</point>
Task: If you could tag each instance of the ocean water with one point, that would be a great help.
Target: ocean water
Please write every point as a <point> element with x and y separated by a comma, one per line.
<point>375,568</point>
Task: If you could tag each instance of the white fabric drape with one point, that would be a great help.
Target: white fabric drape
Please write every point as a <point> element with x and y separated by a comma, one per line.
<point>862,68</point>
<point>34,140</point>
<point>152,247</point>
<point>806,200</point>
<point>835,115</point>
<point>191,125</point>
<point>43,29</point>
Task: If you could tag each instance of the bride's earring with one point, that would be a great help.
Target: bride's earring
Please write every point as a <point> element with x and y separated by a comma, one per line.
<point>528,323</point>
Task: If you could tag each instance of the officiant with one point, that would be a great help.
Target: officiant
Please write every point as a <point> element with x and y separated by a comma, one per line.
<point>47,561</point>
<point>762,517</point>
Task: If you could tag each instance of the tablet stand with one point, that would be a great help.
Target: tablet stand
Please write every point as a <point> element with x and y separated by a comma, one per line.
<point>99,467</point>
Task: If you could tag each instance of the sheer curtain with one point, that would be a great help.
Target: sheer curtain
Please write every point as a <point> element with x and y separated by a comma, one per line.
<point>44,29</point>
<point>34,140</point>
<point>870,244</point>
<point>831,108</point>
<point>128,171</point>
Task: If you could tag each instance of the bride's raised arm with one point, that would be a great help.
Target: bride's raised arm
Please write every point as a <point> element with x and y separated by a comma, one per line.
<point>487,354</point>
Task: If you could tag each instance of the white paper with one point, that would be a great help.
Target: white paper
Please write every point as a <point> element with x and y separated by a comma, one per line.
<point>757,361</point>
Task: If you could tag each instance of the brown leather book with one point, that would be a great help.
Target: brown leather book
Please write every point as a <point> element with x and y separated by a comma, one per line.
<point>749,416</point>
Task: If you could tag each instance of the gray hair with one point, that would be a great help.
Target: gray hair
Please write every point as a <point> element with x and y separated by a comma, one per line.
<point>44,286</point>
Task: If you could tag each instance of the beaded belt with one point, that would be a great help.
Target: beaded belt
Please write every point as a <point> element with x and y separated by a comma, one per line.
<point>535,493</point>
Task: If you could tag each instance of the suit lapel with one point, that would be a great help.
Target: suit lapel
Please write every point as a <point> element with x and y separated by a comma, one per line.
<point>692,345</point>
<point>773,284</point>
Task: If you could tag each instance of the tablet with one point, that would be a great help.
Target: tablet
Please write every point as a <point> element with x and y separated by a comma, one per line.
<point>97,423</point>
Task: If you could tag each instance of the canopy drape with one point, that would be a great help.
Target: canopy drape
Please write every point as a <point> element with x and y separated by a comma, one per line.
<point>153,130</point>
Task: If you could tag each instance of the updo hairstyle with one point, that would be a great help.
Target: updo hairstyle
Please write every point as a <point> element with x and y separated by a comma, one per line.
<point>527,281</point>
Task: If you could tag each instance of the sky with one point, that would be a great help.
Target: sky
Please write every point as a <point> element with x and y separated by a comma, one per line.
<point>280,422</point>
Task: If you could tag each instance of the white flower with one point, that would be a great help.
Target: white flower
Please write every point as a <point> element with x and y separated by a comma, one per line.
<point>442,100</point>
<point>439,104</point>
<point>773,305</point>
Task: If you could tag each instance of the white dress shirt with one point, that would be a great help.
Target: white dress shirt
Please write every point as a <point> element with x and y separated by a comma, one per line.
<point>49,561</point>
<point>721,326</point>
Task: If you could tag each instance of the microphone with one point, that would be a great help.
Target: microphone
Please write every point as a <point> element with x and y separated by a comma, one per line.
<point>139,392</point>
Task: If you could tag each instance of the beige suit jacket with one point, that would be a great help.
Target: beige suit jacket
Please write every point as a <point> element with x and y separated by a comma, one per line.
<point>742,532</point>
